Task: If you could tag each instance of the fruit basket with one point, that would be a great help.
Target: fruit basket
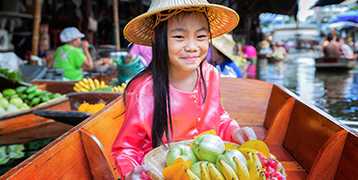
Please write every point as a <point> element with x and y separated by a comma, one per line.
<point>251,160</point>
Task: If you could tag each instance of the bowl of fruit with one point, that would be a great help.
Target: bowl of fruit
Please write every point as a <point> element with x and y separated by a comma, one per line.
<point>207,156</point>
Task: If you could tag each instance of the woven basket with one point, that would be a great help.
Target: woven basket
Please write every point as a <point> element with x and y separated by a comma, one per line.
<point>155,160</point>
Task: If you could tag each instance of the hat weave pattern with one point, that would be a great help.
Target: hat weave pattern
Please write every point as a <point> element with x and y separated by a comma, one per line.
<point>141,29</point>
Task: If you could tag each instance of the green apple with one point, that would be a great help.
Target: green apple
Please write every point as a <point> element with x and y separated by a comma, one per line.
<point>4,103</point>
<point>16,101</point>
<point>208,147</point>
<point>180,151</point>
<point>229,155</point>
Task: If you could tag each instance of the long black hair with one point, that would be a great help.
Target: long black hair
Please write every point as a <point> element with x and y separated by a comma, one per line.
<point>159,70</point>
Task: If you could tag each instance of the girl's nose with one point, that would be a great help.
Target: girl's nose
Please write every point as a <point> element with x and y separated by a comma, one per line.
<point>191,46</point>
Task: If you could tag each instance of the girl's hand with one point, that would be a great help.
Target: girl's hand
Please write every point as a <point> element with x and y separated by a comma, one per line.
<point>241,135</point>
<point>136,174</point>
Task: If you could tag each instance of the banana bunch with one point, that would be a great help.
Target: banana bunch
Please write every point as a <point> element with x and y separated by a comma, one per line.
<point>88,84</point>
<point>91,108</point>
<point>119,88</point>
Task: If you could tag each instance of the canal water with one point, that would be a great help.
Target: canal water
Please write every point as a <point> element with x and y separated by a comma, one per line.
<point>335,92</point>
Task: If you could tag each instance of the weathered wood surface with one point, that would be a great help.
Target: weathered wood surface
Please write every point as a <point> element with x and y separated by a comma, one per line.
<point>62,87</point>
<point>310,147</point>
<point>27,127</point>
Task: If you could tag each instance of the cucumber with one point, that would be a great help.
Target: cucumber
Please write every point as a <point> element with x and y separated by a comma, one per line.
<point>35,101</point>
<point>31,89</point>
<point>31,96</point>
<point>21,89</point>
<point>45,98</point>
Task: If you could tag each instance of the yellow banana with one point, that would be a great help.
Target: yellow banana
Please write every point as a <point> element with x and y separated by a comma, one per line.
<point>241,170</point>
<point>245,151</point>
<point>227,171</point>
<point>254,165</point>
<point>83,84</point>
<point>91,84</point>
<point>204,171</point>
<point>76,89</point>
<point>191,175</point>
<point>103,85</point>
<point>85,80</point>
<point>97,84</point>
<point>262,175</point>
<point>214,172</point>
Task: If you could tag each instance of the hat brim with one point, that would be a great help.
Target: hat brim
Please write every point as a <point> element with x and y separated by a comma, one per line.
<point>221,19</point>
<point>226,47</point>
<point>66,40</point>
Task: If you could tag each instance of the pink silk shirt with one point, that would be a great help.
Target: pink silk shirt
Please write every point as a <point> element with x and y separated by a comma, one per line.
<point>189,116</point>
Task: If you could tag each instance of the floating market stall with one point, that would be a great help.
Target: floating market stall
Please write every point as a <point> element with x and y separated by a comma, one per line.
<point>308,142</point>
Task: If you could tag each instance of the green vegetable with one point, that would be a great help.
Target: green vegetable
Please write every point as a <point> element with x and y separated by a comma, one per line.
<point>21,89</point>
<point>57,95</point>
<point>31,89</point>
<point>39,92</point>
<point>16,151</point>
<point>45,98</point>
<point>11,75</point>
<point>35,101</point>
<point>9,92</point>
<point>4,158</point>
<point>31,96</point>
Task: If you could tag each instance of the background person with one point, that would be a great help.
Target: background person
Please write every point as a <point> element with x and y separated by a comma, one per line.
<point>74,55</point>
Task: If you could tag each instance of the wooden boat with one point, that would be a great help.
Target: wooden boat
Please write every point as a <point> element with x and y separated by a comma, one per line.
<point>324,63</point>
<point>309,142</point>
<point>62,87</point>
<point>28,126</point>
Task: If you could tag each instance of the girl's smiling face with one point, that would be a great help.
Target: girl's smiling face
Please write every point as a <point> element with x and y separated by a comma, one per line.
<point>188,41</point>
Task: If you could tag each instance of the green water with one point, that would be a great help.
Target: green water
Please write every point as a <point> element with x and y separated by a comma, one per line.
<point>335,92</point>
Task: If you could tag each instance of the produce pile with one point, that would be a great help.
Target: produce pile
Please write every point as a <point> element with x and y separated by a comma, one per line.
<point>91,108</point>
<point>94,85</point>
<point>209,158</point>
<point>23,98</point>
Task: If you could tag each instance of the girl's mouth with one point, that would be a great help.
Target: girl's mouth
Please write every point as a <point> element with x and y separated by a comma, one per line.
<point>190,59</point>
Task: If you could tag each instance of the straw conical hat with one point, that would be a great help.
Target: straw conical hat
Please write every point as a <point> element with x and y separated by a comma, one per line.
<point>140,29</point>
<point>226,45</point>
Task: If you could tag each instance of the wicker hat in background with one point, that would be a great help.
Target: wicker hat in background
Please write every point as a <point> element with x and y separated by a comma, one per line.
<point>141,29</point>
<point>226,45</point>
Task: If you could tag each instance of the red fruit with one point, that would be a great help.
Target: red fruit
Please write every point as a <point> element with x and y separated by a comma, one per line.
<point>273,163</point>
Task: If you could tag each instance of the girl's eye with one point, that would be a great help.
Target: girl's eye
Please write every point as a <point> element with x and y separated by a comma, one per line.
<point>178,37</point>
<point>202,36</point>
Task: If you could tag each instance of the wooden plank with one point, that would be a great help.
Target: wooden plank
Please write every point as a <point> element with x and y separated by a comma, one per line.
<point>100,166</point>
<point>111,120</point>
<point>324,166</point>
<point>245,100</point>
<point>44,130</point>
<point>347,168</point>
<point>277,99</point>
<point>62,159</point>
<point>277,131</point>
<point>28,127</point>
<point>307,132</point>
<point>28,120</point>
<point>62,87</point>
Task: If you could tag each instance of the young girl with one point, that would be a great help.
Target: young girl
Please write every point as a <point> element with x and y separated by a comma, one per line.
<point>177,96</point>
